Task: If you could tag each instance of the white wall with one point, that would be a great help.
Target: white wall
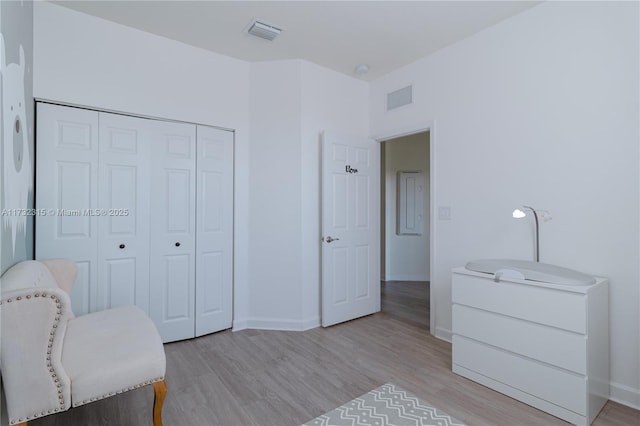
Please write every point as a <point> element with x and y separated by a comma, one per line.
<point>277,110</point>
<point>275,222</point>
<point>406,256</point>
<point>541,109</point>
<point>84,60</point>
<point>292,102</point>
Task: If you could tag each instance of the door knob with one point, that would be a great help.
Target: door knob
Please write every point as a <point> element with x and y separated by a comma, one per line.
<point>121,246</point>
<point>177,244</point>
<point>329,239</point>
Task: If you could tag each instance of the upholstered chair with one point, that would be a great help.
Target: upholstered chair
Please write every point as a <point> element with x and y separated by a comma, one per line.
<point>52,361</point>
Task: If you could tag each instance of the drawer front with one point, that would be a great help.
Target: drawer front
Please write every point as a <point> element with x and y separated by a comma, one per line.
<point>558,387</point>
<point>538,304</point>
<point>562,348</point>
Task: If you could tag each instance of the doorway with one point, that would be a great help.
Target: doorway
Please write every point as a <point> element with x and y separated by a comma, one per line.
<point>405,228</point>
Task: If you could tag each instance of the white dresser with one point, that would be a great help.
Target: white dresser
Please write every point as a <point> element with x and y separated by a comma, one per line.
<point>544,344</point>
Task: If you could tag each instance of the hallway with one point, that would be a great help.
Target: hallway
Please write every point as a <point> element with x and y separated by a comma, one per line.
<point>406,301</point>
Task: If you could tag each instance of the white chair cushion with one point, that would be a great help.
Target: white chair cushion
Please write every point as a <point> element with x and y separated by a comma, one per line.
<point>111,351</point>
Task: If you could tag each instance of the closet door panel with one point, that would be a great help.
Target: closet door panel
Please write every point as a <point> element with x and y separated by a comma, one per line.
<point>145,209</point>
<point>66,193</point>
<point>172,295</point>
<point>119,281</point>
<point>210,298</point>
<point>214,245</point>
<point>177,300</point>
<point>123,213</point>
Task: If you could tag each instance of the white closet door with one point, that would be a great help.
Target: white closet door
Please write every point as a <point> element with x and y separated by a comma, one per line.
<point>66,188</point>
<point>123,215</point>
<point>214,225</point>
<point>172,220</point>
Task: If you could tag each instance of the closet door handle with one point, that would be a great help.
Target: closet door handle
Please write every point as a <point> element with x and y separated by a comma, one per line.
<point>122,246</point>
<point>178,244</point>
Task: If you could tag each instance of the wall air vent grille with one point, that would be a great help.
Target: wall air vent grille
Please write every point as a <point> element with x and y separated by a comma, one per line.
<point>264,30</point>
<point>399,98</point>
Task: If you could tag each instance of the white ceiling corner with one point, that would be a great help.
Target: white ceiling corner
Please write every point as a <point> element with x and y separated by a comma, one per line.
<point>385,35</point>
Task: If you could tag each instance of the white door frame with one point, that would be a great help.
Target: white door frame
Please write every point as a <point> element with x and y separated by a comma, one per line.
<point>424,126</point>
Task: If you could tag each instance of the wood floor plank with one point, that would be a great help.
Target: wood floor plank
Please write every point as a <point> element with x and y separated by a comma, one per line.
<point>277,378</point>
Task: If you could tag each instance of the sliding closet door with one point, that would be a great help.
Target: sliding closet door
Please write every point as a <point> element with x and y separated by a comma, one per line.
<point>172,220</point>
<point>66,189</point>
<point>123,215</point>
<point>214,224</point>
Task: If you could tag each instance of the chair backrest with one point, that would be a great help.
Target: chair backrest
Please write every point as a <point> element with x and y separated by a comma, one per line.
<point>64,271</point>
<point>33,322</point>
<point>57,273</point>
<point>30,273</point>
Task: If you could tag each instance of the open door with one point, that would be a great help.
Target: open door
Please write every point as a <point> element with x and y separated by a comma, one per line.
<point>350,228</point>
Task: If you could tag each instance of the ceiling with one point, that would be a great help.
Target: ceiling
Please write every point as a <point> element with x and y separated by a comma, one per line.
<point>385,35</point>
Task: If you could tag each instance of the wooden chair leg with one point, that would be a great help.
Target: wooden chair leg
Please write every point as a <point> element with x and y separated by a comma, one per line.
<point>160,391</point>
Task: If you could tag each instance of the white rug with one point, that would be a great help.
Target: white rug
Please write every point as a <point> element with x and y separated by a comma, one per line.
<point>387,405</point>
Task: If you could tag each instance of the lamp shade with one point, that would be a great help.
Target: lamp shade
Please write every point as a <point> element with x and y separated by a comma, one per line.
<point>518,214</point>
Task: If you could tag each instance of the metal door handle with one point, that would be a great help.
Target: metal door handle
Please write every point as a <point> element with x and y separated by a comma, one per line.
<point>329,239</point>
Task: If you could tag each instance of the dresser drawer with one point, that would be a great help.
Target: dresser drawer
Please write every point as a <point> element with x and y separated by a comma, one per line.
<point>556,308</point>
<point>550,384</point>
<point>554,346</point>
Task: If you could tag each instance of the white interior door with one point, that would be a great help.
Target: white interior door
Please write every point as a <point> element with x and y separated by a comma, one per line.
<point>66,187</point>
<point>214,225</point>
<point>172,216</point>
<point>350,228</point>
<point>123,220</point>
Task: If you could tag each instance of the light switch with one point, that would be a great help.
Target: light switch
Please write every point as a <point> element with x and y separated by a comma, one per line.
<point>444,213</point>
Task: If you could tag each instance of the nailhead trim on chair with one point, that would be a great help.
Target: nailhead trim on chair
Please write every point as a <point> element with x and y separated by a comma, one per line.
<point>54,376</point>
<point>96,398</point>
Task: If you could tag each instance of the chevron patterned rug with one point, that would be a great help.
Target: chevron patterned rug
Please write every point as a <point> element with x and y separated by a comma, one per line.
<point>387,405</point>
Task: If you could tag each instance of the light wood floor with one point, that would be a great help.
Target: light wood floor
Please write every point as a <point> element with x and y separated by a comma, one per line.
<point>281,378</point>
<point>407,301</point>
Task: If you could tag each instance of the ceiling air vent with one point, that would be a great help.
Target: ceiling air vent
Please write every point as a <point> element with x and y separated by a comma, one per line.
<point>399,98</point>
<point>263,30</point>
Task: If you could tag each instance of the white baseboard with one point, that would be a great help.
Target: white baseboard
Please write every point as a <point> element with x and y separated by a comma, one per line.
<point>310,323</point>
<point>625,395</point>
<point>238,325</point>
<point>406,277</point>
<point>276,324</point>
<point>443,334</point>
